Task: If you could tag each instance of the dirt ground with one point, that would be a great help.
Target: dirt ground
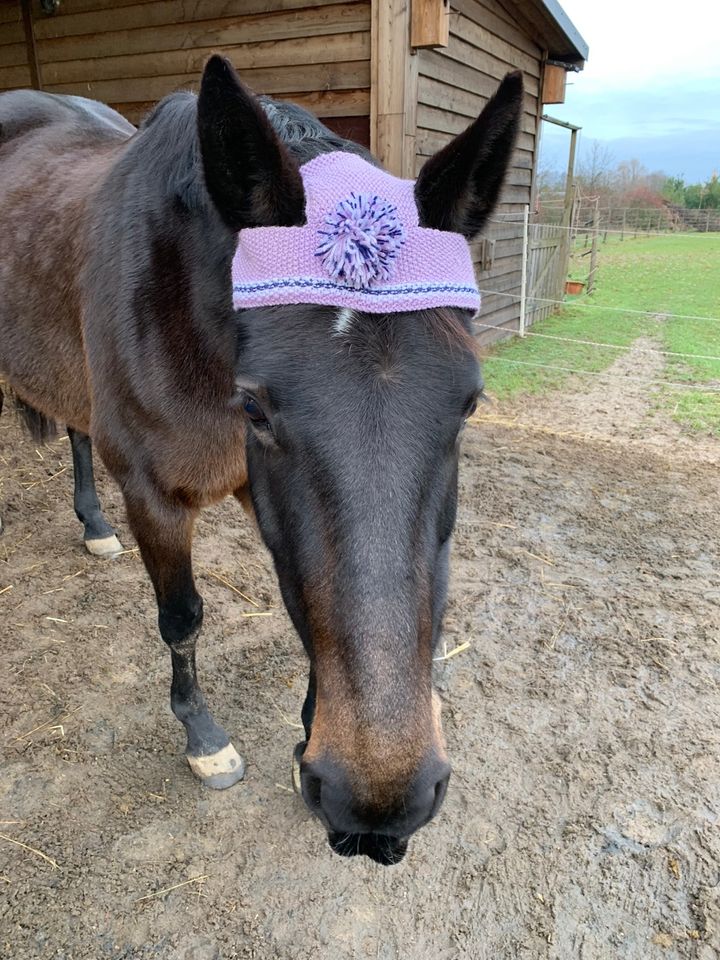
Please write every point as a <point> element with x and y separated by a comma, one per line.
<point>583,720</point>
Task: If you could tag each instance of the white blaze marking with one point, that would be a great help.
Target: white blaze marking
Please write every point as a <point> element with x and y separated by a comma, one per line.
<point>344,320</point>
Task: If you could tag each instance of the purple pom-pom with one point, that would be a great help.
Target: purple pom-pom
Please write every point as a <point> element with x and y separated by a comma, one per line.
<point>360,240</point>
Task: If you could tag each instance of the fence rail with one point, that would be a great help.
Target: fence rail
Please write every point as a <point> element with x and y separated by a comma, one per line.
<point>634,220</point>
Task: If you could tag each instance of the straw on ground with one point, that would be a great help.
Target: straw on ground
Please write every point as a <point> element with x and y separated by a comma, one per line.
<point>175,886</point>
<point>25,846</point>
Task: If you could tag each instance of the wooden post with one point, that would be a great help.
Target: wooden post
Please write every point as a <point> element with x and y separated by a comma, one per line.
<point>569,184</point>
<point>557,267</point>
<point>523,278</point>
<point>594,249</point>
<point>564,246</point>
<point>393,90</point>
<point>624,223</point>
<point>575,219</point>
<point>538,141</point>
<point>30,46</point>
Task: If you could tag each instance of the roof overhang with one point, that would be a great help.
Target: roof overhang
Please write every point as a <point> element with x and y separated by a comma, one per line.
<point>558,34</point>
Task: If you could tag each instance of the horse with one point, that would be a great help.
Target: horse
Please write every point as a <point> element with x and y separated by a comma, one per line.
<point>337,428</point>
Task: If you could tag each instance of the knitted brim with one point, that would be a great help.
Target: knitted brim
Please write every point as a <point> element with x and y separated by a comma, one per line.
<point>361,248</point>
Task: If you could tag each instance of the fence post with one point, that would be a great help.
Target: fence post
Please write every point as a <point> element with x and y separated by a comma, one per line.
<point>523,279</point>
<point>594,249</point>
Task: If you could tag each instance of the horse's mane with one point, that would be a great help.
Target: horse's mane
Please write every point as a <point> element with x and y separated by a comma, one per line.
<point>172,127</point>
<point>174,150</point>
<point>304,135</point>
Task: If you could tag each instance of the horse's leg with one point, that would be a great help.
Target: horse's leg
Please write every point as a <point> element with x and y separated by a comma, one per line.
<point>100,538</point>
<point>163,531</point>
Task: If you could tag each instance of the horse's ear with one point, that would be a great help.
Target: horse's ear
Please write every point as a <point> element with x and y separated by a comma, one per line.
<point>249,174</point>
<point>459,186</point>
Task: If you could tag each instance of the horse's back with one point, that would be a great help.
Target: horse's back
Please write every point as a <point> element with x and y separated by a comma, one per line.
<point>23,111</point>
<point>55,151</point>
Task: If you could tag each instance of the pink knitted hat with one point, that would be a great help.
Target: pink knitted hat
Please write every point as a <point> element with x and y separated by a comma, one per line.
<point>361,248</point>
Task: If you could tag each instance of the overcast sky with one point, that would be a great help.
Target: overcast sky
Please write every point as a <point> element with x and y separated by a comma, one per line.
<point>651,87</point>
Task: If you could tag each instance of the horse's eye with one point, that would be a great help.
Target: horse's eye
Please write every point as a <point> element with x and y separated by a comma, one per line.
<point>254,412</point>
<point>470,408</point>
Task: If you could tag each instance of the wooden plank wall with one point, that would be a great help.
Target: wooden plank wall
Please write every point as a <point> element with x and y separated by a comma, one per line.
<point>14,68</point>
<point>130,54</point>
<point>454,84</point>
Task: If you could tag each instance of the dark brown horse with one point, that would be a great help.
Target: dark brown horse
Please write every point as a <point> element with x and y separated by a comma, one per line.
<point>341,430</point>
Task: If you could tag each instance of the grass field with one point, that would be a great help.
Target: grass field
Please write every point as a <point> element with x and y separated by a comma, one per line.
<point>677,274</point>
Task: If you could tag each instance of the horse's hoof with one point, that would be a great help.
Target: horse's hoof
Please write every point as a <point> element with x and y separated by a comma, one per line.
<point>105,547</point>
<point>218,770</point>
<point>297,757</point>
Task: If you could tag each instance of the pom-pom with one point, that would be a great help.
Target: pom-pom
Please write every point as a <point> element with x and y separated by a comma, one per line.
<point>360,240</point>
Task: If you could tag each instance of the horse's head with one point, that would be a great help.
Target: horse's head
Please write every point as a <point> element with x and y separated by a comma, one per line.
<point>354,421</point>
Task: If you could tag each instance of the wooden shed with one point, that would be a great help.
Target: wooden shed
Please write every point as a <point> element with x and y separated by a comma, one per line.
<point>402,76</point>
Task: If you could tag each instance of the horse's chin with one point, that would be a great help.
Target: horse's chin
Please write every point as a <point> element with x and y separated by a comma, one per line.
<point>384,850</point>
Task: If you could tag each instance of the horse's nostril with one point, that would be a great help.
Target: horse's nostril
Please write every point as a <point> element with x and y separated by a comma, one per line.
<point>312,789</point>
<point>440,791</point>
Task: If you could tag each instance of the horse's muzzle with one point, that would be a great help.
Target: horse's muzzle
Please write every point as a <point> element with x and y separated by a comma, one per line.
<point>379,831</point>
<point>380,848</point>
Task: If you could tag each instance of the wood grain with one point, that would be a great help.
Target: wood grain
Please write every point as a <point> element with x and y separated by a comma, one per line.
<point>393,121</point>
<point>245,57</point>
<point>331,76</point>
<point>323,103</point>
<point>158,13</point>
<point>218,33</point>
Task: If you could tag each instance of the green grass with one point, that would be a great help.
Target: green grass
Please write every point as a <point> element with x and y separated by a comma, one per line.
<point>677,274</point>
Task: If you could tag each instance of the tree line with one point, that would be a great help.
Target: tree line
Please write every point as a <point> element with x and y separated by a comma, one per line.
<point>629,184</point>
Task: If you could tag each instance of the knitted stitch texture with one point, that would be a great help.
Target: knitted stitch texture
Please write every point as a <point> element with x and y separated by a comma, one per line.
<point>361,248</point>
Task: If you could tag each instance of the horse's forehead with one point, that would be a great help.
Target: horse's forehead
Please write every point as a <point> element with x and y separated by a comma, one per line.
<point>293,349</point>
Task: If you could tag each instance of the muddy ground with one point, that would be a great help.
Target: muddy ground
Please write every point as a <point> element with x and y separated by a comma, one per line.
<point>582,819</point>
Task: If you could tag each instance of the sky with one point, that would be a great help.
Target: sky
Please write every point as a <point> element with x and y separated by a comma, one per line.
<point>650,89</point>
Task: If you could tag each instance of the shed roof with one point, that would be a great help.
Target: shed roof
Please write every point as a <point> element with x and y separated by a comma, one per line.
<point>555,29</point>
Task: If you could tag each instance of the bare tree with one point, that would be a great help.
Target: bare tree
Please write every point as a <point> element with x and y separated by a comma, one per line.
<point>595,171</point>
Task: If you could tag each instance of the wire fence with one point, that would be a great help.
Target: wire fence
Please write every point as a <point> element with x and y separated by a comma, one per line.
<point>650,381</point>
<point>541,290</point>
<point>584,305</point>
<point>585,228</point>
<point>611,346</point>
<point>627,220</point>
